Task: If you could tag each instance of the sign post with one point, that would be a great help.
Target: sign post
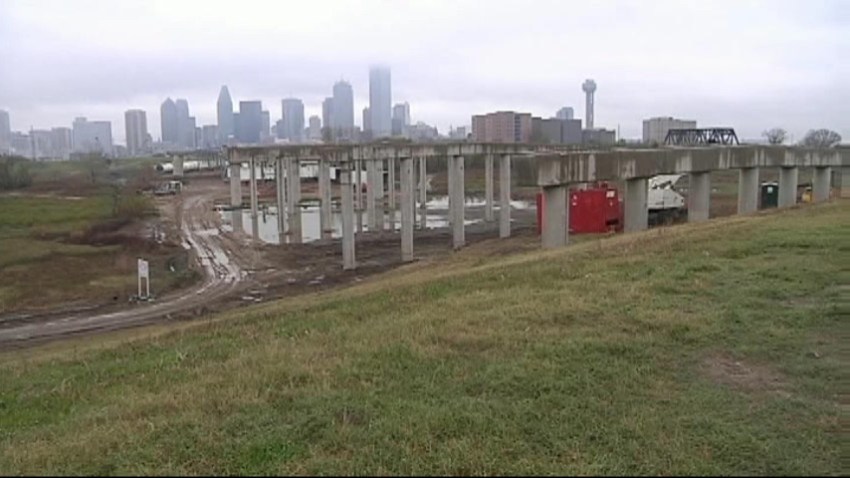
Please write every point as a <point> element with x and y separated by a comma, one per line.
<point>144,273</point>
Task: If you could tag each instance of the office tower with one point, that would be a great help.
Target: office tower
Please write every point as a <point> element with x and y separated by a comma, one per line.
<point>210,137</point>
<point>589,88</point>
<point>265,125</point>
<point>61,143</point>
<point>328,113</point>
<point>224,108</point>
<point>168,121</point>
<point>92,136</point>
<point>556,131</point>
<point>380,101</point>
<point>292,110</point>
<point>343,108</point>
<point>185,125</point>
<point>401,119</point>
<point>250,121</point>
<point>5,132</point>
<point>502,127</point>
<point>565,113</point>
<point>136,128</point>
<point>655,129</point>
<point>367,120</point>
<point>315,129</point>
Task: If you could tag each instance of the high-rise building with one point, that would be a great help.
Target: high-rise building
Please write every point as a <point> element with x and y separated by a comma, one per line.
<point>401,119</point>
<point>367,120</point>
<point>250,122</point>
<point>589,88</point>
<point>655,129</point>
<point>343,109</point>
<point>328,113</point>
<point>92,136</point>
<point>292,110</point>
<point>556,131</point>
<point>5,132</point>
<point>315,128</point>
<point>60,141</point>
<point>168,121</point>
<point>565,113</point>
<point>502,127</point>
<point>210,136</point>
<point>136,128</point>
<point>185,125</point>
<point>265,125</point>
<point>224,109</point>
<point>380,101</point>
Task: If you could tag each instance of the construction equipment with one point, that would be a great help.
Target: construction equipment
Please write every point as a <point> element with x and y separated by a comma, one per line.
<point>664,203</point>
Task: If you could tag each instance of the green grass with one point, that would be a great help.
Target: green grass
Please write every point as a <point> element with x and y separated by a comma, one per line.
<point>717,348</point>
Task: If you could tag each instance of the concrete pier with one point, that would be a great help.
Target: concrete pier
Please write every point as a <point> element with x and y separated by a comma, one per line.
<point>280,197</point>
<point>748,190</point>
<point>788,186</point>
<point>423,193</point>
<point>391,193</point>
<point>450,167</point>
<point>636,213</point>
<point>371,180</point>
<point>380,205</point>
<point>456,202</point>
<point>325,197</point>
<point>555,216</point>
<point>235,186</point>
<point>505,196</point>
<point>407,209</point>
<point>488,188</point>
<point>293,176</point>
<point>821,184</point>
<point>699,196</point>
<point>252,187</point>
<point>844,177</point>
<point>177,164</point>
<point>348,260</point>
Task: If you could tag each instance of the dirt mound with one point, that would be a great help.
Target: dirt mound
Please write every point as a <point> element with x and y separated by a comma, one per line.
<point>743,376</point>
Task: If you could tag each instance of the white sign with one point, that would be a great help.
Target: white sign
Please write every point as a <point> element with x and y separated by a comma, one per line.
<point>143,269</point>
<point>144,273</point>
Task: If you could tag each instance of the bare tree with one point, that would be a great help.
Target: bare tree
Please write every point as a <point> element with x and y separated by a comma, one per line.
<point>821,138</point>
<point>775,135</point>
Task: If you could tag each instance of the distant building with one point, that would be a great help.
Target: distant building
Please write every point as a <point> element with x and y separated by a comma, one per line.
<point>20,144</point>
<point>314,131</point>
<point>556,131</point>
<point>292,117</point>
<point>136,129</point>
<point>565,113</point>
<point>168,121</point>
<point>380,101</point>
<point>328,113</point>
<point>61,142</point>
<point>401,119</point>
<point>210,137</point>
<point>599,136</point>
<point>502,127</point>
<point>185,125</point>
<point>342,123</point>
<point>655,129</point>
<point>250,122</point>
<point>224,110</point>
<point>461,132</point>
<point>92,136</point>
<point>422,132</point>
<point>5,132</point>
<point>265,126</point>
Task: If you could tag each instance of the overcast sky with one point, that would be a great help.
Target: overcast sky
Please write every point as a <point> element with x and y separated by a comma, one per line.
<point>751,65</point>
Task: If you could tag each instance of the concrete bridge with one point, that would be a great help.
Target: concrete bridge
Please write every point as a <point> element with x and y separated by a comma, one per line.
<point>557,169</point>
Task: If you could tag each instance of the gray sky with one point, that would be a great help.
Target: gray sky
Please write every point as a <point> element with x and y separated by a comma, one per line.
<point>751,65</point>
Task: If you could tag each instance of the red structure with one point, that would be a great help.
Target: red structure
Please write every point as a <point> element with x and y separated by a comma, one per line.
<point>597,209</point>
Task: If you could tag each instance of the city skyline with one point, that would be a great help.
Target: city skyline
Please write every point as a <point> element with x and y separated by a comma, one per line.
<point>792,79</point>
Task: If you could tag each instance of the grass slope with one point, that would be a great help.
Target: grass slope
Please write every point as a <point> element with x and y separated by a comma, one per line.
<point>703,349</point>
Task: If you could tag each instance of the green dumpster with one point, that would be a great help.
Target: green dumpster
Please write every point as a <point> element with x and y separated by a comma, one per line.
<point>769,195</point>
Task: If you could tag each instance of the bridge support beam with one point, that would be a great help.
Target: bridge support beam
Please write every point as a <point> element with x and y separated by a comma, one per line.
<point>252,188</point>
<point>555,216</point>
<point>293,175</point>
<point>236,186</point>
<point>371,212</point>
<point>844,176</point>
<point>380,202</point>
<point>348,259</point>
<point>177,164</point>
<point>456,201</point>
<point>788,186</point>
<point>488,188</point>
<point>699,196</point>
<point>407,209</point>
<point>748,190</point>
<point>423,193</point>
<point>636,213</point>
<point>821,184</point>
<point>505,196</point>
<point>325,197</point>
<point>280,198</point>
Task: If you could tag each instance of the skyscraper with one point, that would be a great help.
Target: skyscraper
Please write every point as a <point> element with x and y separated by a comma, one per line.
<point>168,121</point>
<point>343,108</point>
<point>367,120</point>
<point>315,131</point>
<point>225,115</point>
<point>292,110</point>
<point>265,125</point>
<point>250,121</point>
<point>328,113</point>
<point>92,136</point>
<point>380,101</point>
<point>565,113</point>
<point>185,125</point>
<point>5,132</point>
<point>136,128</point>
<point>401,119</point>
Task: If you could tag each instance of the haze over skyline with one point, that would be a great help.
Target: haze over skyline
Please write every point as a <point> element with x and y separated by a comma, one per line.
<point>750,65</point>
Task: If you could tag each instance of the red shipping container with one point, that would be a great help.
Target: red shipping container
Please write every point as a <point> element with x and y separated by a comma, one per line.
<point>597,209</point>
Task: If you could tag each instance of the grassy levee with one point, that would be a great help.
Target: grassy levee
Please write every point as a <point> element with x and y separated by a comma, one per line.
<point>713,348</point>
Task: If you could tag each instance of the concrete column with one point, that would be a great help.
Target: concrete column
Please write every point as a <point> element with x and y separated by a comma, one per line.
<point>293,175</point>
<point>488,187</point>
<point>555,216</point>
<point>235,185</point>
<point>280,197</point>
<point>844,176</point>
<point>636,213</point>
<point>358,198</point>
<point>450,167</point>
<point>505,196</point>
<point>788,186</point>
<point>699,196</point>
<point>371,213</point>
<point>348,260</point>
<point>456,199</point>
<point>407,209</point>
<point>253,189</point>
<point>177,164</point>
<point>391,193</point>
<point>748,190</point>
<point>423,193</point>
<point>325,198</point>
<point>380,205</point>
<point>821,184</point>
